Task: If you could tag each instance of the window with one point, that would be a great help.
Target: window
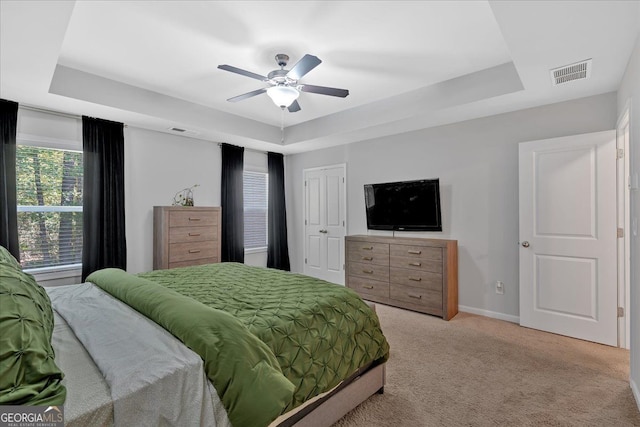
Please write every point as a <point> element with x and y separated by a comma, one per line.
<point>255,209</point>
<point>49,187</point>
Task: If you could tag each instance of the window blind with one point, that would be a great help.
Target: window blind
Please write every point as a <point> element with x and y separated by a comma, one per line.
<point>255,209</point>
<point>49,192</point>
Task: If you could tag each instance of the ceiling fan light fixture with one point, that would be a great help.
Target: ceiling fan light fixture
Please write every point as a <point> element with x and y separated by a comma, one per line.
<point>283,96</point>
<point>283,86</point>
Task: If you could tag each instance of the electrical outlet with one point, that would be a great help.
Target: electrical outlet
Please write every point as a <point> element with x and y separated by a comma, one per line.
<point>499,287</point>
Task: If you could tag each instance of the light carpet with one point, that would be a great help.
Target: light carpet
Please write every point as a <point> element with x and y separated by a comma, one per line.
<point>477,371</point>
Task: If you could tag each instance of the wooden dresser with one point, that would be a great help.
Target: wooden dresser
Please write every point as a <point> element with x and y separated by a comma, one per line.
<point>184,236</point>
<point>413,273</point>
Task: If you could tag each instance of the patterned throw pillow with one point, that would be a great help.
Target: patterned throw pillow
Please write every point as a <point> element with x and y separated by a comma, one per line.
<point>28,373</point>
<point>7,258</point>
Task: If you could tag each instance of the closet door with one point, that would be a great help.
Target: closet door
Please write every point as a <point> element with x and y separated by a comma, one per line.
<point>325,222</point>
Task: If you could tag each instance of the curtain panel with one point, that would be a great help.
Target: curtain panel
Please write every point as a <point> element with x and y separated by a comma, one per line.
<point>232,203</point>
<point>8,195</point>
<point>278,248</point>
<point>104,240</point>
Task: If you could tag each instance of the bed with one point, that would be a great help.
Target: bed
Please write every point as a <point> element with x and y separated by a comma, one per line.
<point>219,344</point>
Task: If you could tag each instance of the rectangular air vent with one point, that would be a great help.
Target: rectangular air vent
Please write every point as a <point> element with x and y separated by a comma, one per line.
<point>578,71</point>
<point>183,132</point>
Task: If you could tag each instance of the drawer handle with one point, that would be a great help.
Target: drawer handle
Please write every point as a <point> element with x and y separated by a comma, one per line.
<point>367,248</point>
<point>415,252</point>
<point>194,234</point>
<point>194,251</point>
<point>367,286</point>
<point>415,264</point>
<point>367,258</point>
<point>415,296</point>
<point>416,279</point>
<point>368,271</point>
<point>194,219</point>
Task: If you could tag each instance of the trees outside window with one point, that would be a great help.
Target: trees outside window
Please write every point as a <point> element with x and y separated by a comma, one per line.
<point>49,187</point>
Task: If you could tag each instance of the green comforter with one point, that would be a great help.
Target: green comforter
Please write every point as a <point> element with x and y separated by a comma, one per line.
<point>318,333</point>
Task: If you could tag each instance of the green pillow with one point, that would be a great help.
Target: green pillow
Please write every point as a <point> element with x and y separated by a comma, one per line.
<point>7,258</point>
<point>28,373</point>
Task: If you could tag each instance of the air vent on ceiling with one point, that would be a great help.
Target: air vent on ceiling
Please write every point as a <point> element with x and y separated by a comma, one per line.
<point>185,132</point>
<point>578,71</point>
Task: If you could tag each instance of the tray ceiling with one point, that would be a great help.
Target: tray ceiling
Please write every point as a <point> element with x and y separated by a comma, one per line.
<point>406,64</point>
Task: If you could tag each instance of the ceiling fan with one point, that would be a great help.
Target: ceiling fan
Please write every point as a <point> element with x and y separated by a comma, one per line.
<point>283,84</point>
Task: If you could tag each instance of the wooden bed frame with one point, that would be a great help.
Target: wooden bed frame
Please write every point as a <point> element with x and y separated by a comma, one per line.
<point>338,404</point>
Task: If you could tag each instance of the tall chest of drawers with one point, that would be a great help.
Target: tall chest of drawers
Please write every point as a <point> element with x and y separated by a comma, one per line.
<point>413,273</point>
<point>184,236</point>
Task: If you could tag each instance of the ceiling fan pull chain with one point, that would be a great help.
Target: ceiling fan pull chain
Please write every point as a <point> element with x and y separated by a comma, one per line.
<point>282,127</point>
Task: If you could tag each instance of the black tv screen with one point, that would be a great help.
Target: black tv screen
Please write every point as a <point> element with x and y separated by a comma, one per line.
<point>407,205</point>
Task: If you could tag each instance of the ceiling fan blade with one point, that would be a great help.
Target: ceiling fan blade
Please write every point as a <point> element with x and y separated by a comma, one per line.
<point>294,107</point>
<point>246,95</point>
<point>331,91</point>
<point>302,67</point>
<point>242,72</point>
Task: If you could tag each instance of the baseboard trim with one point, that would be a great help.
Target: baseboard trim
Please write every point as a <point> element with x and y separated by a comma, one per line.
<point>635,391</point>
<point>488,313</point>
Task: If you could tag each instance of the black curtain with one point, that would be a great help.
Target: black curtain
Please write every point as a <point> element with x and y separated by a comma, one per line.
<point>278,248</point>
<point>103,242</point>
<point>232,204</point>
<point>8,196</point>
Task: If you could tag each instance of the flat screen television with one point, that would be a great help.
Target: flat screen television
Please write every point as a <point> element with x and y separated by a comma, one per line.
<point>406,205</point>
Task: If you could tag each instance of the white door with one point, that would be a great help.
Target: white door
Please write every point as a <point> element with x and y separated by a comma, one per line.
<point>325,223</point>
<point>568,261</point>
<point>624,243</point>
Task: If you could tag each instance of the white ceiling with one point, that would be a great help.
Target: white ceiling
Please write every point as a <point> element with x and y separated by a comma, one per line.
<point>407,65</point>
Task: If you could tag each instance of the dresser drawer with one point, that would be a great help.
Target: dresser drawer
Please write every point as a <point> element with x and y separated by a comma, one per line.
<point>365,252</point>
<point>416,278</point>
<point>427,298</point>
<point>374,272</point>
<point>416,252</point>
<point>191,234</point>
<point>192,218</point>
<point>191,251</point>
<point>184,236</point>
<point>416,263</point>
<point>368,286</point>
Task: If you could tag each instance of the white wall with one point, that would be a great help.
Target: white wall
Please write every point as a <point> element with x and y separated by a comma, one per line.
<point>157,166</point>
<point>629,94</point>
<point>477,163</point>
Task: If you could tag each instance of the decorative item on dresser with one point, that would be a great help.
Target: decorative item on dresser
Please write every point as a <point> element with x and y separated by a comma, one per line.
<point>413,273</point>
<point>184,236</point>
<point>184,197</point>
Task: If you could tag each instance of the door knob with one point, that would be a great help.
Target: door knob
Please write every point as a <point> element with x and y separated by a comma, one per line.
<point>323,231</point>
<point>525,244</point>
